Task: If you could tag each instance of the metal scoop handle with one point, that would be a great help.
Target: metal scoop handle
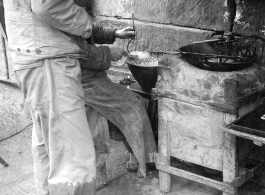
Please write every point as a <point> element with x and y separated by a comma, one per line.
<point>132,39</point>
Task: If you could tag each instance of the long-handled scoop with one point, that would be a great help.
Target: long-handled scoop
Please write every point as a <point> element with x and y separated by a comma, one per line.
<point>133,38</point>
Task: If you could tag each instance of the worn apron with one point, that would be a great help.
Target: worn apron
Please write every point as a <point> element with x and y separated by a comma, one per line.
<point>125,109</point>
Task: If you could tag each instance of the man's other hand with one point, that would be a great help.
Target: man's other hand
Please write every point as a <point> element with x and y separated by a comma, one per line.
<point>125,33</point>
<point>116,53</point>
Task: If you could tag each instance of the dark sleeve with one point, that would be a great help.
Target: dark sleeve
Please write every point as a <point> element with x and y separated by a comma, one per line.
<point>102,35</point>
<point>99,58</point>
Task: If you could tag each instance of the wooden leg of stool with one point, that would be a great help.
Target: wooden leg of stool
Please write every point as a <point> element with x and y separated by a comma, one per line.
<point>101,177</point>
<point>133,159</point>
<point>230,164</point>
<point>164,154</point>
<point>164,181</point>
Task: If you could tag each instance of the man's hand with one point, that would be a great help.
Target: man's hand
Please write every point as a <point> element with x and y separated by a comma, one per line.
<point>125,33</point>
<point>116,53</point>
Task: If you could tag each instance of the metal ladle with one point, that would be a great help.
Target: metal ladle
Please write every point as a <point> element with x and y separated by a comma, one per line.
<point>133,38</point>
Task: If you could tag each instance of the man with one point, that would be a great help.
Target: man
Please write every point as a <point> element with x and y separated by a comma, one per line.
<point>47,38</point>
<point>123,108</point>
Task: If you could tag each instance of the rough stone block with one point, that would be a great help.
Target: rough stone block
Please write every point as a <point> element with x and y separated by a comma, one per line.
<point>188,83</point>
<point>194,132</point>
<point>205,14</point>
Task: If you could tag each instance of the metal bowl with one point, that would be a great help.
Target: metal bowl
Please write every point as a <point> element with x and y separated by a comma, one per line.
<point>144,70</point>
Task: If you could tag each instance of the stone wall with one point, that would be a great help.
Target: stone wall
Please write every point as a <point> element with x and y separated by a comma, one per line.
<point>162,24</point>
<point>205,14</point>
<point>169,24</point>
<point>199,14</point>
<point>155,36</point>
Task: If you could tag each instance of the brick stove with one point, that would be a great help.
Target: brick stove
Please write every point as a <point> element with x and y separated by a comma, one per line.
<point>195,108</point>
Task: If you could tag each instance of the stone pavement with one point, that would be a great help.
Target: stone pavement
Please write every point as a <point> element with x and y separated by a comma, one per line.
<point>17,179</point>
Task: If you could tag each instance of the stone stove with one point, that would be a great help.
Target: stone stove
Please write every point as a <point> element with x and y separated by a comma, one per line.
<point>193,107</point>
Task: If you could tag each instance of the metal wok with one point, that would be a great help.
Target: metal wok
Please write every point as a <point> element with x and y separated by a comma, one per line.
<point>219,54</point>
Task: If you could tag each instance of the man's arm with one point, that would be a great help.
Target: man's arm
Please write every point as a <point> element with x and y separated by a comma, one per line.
<point>107,35</point>
<point>103,35</point>
<point>63,15</point>
<point>99,58</point>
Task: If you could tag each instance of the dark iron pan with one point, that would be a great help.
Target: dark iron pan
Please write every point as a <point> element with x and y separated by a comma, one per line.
<point>219,55</point>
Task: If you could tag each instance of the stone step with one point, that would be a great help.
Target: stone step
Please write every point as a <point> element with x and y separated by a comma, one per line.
<point>25,186</point>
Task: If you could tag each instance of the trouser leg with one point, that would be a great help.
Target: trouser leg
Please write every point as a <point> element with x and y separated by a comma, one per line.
<point>40,159</point>
<point>61,133</point>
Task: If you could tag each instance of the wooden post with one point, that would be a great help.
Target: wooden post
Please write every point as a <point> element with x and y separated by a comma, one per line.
<point>230,164</point>
<point>102,175</point>
<point>163,149</point>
